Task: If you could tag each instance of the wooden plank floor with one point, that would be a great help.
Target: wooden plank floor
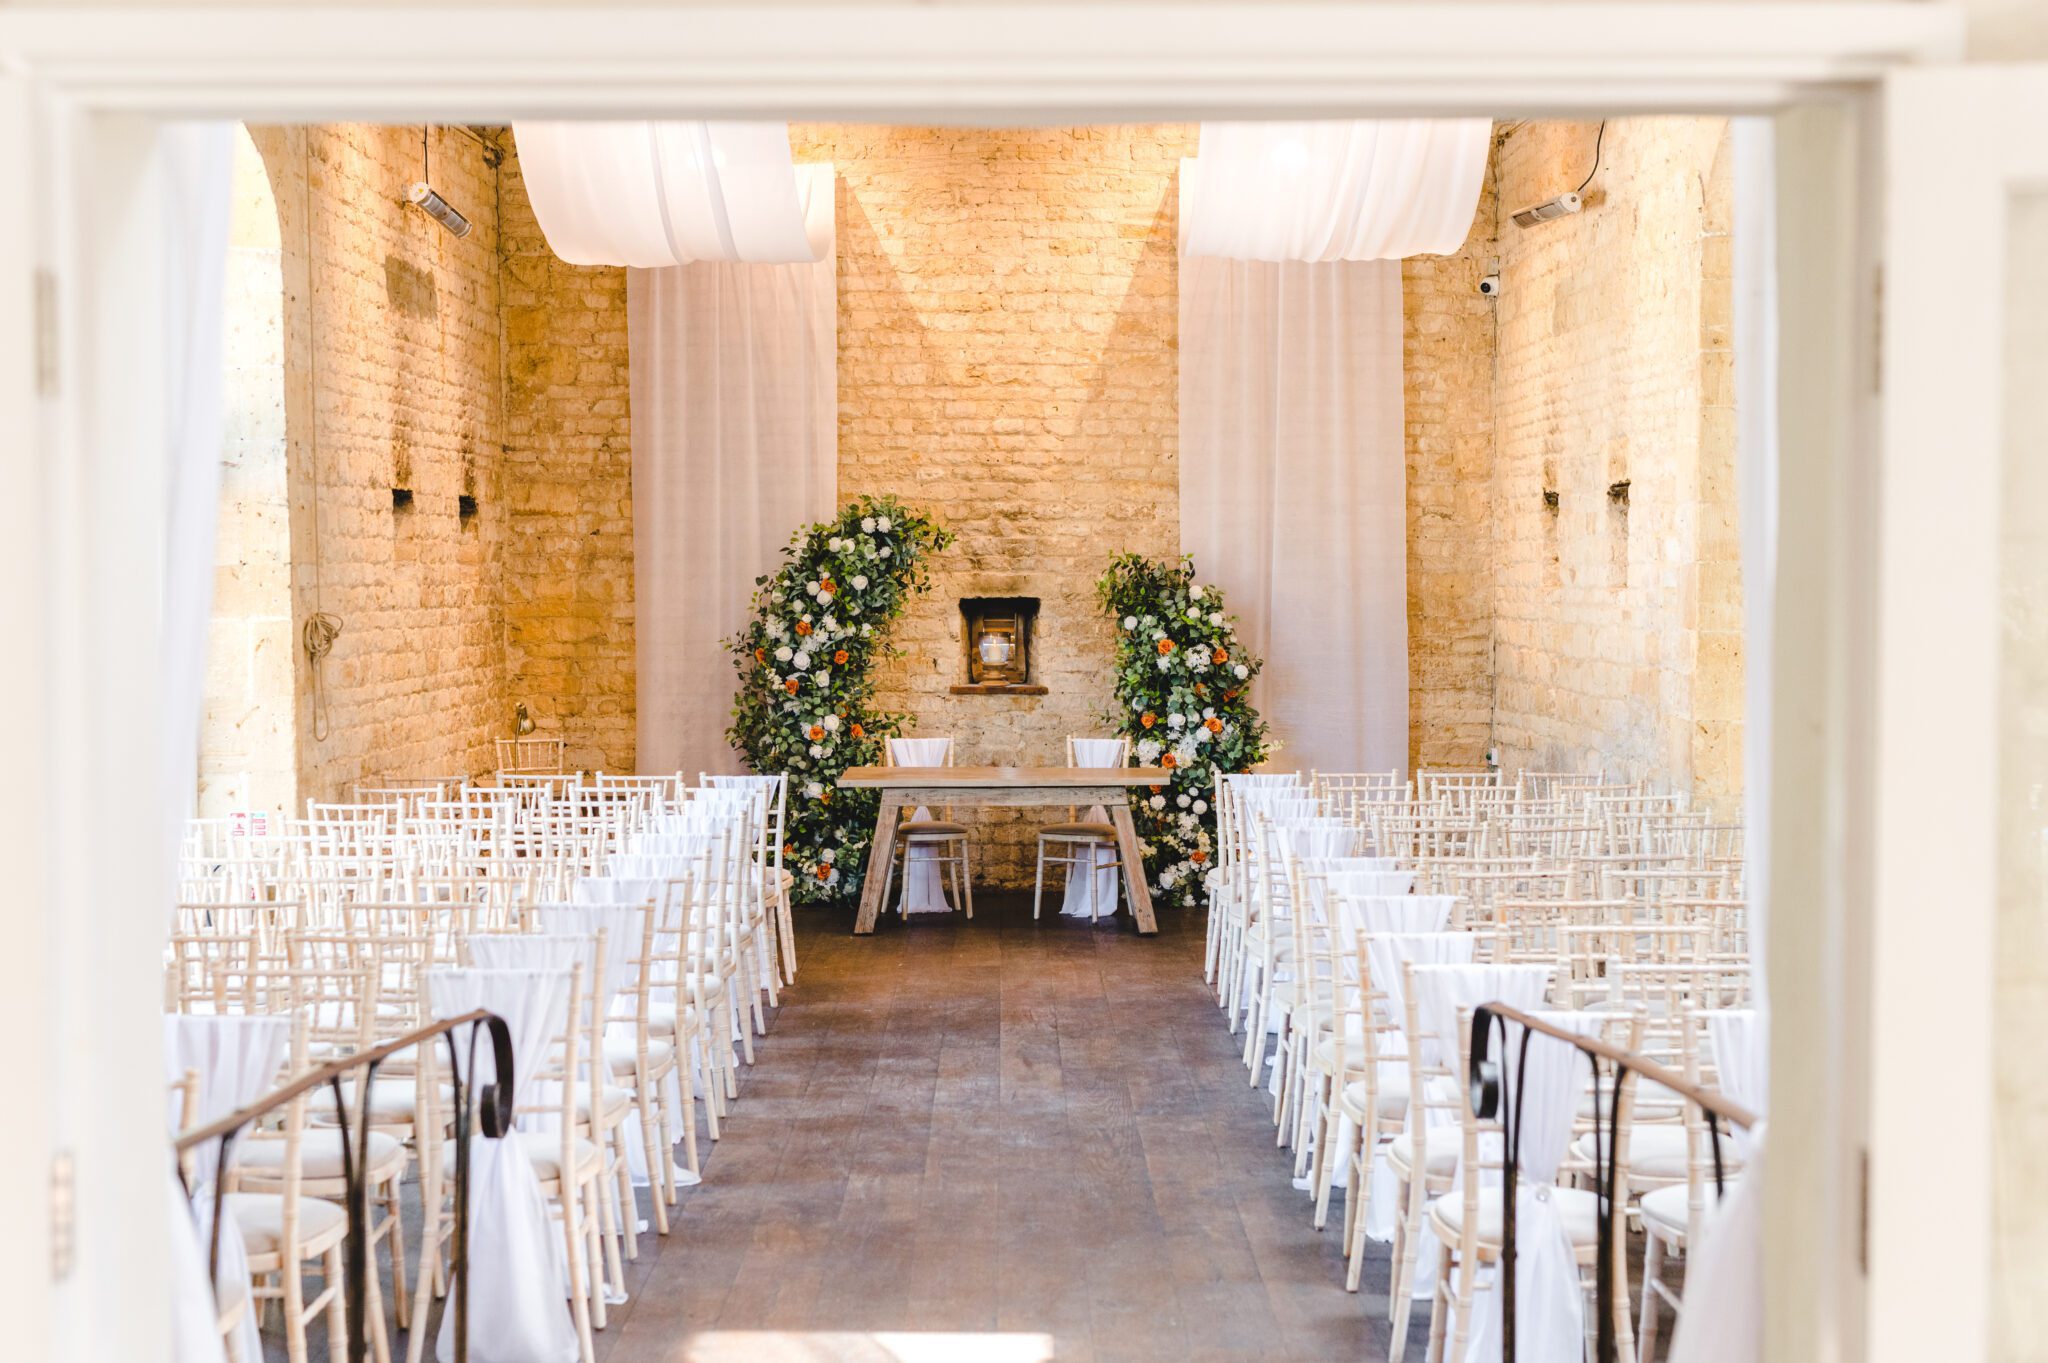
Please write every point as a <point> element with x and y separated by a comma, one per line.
<point>1001,1130</point>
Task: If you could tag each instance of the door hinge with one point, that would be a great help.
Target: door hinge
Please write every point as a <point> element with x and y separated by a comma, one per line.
<point>46,334</point>
<point>1863,1214</point>
<point>63,1216</point>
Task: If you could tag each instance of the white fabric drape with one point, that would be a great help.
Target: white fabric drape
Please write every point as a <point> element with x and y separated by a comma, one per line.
<point>1549,1304</point>
<point>1093,891</point>
<point>518,1315</point>
<point>1293,491</point>
<point>924,886</point>
<point>237,1060</point>
<point>652,195</point>
<point>195,170</point>
<point>1345,189</point>
<point>1724,1291</point>
<point>735,391</point>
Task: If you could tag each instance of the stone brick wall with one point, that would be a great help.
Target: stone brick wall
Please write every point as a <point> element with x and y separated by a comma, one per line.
<point>1447,362</point>
<point>1007,360</point>
<point>393,376</point>
<point>568,550</point>
<point>1612,339</point>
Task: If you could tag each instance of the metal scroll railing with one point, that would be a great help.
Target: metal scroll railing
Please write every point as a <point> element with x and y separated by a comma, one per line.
<point>1491,1101</point>
<point>483,1108</point>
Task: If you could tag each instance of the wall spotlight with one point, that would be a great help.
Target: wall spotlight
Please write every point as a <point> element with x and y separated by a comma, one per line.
<point>1563,206</point>
<point>422,196</point>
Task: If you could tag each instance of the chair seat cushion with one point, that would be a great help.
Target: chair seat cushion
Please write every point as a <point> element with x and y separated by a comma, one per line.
<point>544,1149</point>
<point>319,1156</point>
<point>1443,1152</point>
<point>1392,1097</point>
<point>391,1100</point>
<point>1659,1154</point>
<point>261,1217</point>
<point>1581,1209</point>
<point>1664,1211</point>
<point>932,828</point>
<point>1101,832</point>
<point>620,1052</point>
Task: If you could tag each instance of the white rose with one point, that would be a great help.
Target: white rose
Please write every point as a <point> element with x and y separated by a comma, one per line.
<point>867,523</point>
<point>811,587</point>
<point>1130,622</point>
<point>1164,663</point>
<point>1241,671</point>
<point>1182,801</point>
<point>826,856</point>
<point>833,544</point>
<point>1201,735</point>
<point>813,791</point>
<point>782,655</point>
<point>1147,750</point>
<point>824,675</point>
<point>1216,617</point>
<point>1158,634</point>
<point>866,630</point>
<point>802,661</point>
<point>831,723</point>
<point>1166,879</point>
<point>1195,616</point>
<point>882,523</point>
<point>884,551</point>
<point>817,751</point>
<point>860,582</point>
<point>1195,592</point>
<point>1209,712</point>
<point>1157,802</point>
<point>1176,721</point>
<point>1201,806</point>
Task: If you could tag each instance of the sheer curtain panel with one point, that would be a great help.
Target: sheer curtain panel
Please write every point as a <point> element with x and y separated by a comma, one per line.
<point>1293,491</point>
<point>735,377</point>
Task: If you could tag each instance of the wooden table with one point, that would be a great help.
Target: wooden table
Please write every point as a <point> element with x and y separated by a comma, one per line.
<point>907,787</point>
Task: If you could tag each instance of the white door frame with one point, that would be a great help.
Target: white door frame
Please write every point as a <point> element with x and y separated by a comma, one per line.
<point>81,548</point>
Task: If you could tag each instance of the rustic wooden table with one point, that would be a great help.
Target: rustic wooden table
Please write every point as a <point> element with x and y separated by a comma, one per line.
<point>907,787</point>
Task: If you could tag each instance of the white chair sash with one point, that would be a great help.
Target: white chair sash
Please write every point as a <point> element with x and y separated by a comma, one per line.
<point>237,1060</point>
<point>1378,914</point>
<point>1549,1304</point>
<point>519,1314</point>
<point>1723,1320</point>
<point>1093,892</point>
<point>924,888</point>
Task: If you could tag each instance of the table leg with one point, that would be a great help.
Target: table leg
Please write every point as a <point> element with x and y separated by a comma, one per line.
<point>1133,856</point>
<point>879,852</point>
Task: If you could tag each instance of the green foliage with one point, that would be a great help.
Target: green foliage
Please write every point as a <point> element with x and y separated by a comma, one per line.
<point>806,678</point>
<point>1183,696</point>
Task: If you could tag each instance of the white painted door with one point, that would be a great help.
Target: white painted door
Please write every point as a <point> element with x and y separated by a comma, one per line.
<point>1958,1118</point>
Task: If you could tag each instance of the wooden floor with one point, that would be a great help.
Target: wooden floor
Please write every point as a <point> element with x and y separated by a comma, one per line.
<point>1007,1131</point>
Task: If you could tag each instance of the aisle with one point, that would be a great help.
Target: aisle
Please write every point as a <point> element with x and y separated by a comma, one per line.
<point>1001,1129</point>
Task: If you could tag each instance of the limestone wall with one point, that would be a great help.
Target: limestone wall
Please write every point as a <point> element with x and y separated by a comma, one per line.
<point>1616,611</point>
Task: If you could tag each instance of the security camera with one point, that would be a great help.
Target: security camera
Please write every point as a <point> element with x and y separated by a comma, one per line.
<point>1490,286</point>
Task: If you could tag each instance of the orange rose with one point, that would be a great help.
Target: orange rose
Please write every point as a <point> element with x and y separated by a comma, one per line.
<point>817,733</point>
<point>1167,761</point>
<point>1148,719</point>
<point>803,627</point>
<point>760,655</point>
<point>839,657</point>
<point>858,732</point>
<point>828,586</point>
<point>790,686</point>
<point>1214,726</point>
<point>1198,857</point>
<point>1201,690</point>
<point>1231,694</point>
<point>1157,789</point>
<point>789,849</point>
<point>1219,656</point>
<point>1165,647</point>
<point>824,873</point>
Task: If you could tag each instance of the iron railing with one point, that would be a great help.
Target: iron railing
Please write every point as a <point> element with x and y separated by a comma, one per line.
<point>488,1106</point>
<point>1491,1102</point>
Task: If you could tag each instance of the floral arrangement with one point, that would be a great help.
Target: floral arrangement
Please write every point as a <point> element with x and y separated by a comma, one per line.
<point>1183,689</point>
<point>806,680</point>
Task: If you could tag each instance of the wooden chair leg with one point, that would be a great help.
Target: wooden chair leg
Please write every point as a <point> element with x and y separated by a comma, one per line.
<point>337,1305</point>
<point>1038,881</point>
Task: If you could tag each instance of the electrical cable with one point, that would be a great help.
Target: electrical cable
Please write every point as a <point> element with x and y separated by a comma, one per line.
<point>1598,138</point>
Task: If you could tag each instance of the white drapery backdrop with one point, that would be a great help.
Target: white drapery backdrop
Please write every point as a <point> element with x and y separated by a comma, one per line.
<point>1341,189</point>
<point>650,195</point>
<point>1293,491</point>
<point>735,379</point>
<point>195,174</point>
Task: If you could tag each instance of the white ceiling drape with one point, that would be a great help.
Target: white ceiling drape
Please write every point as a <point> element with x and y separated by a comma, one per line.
<point>1345,189</point>
<point>657,194</point>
